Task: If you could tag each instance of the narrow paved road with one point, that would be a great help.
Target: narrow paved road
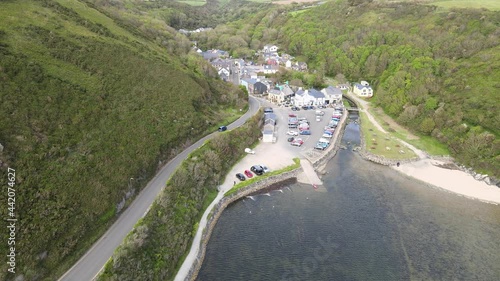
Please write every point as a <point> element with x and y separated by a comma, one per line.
<point>94,260</point>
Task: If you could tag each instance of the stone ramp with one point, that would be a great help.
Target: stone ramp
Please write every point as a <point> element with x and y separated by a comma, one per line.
<point>309,176</point>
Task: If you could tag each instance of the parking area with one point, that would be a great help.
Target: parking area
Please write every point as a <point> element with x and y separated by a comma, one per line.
<point>281,153</point>
<point>316,128</point>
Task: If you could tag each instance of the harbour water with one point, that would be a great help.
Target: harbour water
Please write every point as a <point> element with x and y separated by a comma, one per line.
<point>371,223</point>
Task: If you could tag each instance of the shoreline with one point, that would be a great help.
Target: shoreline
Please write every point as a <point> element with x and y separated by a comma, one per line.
<point>432,172</point>
<point>458,182</point>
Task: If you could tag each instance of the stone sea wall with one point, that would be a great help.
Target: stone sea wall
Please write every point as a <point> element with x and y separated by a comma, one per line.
<point>217,210</point>
<point>333,148</point>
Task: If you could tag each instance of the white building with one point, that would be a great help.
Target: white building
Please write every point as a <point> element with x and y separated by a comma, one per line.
<point>363,89</point>
<point>308,97</point>
<point>333,95</point>
<point>270,49</point>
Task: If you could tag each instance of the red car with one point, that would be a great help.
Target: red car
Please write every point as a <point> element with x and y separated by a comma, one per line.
<point>248,174</point>
<point>297,142</point>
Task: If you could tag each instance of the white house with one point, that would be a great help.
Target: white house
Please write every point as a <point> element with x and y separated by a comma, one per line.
<point>363,89</point>
<point>270,49</point>
<point>288,64</point>
<point>309,97</point>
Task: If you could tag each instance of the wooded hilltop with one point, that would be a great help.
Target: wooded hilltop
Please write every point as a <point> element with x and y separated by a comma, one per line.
<point>434,71</point>
<point>97,95</point>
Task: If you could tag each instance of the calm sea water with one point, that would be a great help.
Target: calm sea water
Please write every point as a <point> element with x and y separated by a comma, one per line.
<point>371,223</point>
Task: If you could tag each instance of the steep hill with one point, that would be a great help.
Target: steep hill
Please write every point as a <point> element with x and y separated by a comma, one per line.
<point>90,108</point>
<point>433,70</point>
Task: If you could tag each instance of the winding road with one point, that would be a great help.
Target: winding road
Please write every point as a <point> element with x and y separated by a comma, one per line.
<point>89,266</point>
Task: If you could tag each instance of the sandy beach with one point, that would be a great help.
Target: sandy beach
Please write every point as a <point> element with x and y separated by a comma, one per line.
<point>456,181</point>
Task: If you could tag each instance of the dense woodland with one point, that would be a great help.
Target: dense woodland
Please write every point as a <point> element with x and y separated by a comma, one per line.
<point>96,94</point>
<point>90,110</point>
<point>434,71</point>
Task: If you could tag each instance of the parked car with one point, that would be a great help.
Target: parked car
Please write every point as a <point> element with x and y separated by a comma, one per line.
<point>248,174</point>
<point>318,118</point>
<point>320,112</point>
<point>257,169</point>
<point>290,139</point>
<point>303,127</point>
<point>323,140</point>
<point>305,132</point>
<point>265,168</point>
<point>294,108</point>
<point>240,176</point>
<point>291,115</point>
<point>222,128</point>
<point>297,142</point>
<point>320,146</point>
<point>292,133</point>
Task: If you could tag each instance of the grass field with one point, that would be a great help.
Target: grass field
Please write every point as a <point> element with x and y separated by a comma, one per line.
<point>194,2</point>
<point>493,5</point>
<point>426,143</point>
<point>383,144</point>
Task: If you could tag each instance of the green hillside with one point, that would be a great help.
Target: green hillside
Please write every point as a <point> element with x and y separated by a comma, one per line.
<point>435,71</point>
<point>90,108</point>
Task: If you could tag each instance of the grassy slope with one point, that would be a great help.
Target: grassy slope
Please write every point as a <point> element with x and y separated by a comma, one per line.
<point>87,105</point>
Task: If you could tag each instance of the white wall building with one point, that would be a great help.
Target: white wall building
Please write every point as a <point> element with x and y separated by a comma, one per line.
<point>363,89</point>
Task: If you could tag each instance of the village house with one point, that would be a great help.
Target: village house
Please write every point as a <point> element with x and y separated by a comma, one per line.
<point>308,97</point>
<point>270,49</point>
<point>260,88</point>
<point>248,83</point>
<point>333,95</point>
<point>214,54</point>
<point>343,86</point>
<point>270,69</point>
<point>280,94</point>
<point>363,89</point>
<point>269,126</point>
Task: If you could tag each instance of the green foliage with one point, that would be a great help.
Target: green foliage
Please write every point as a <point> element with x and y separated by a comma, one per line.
<point>89,110</point>
<point>178,209</point>
<point>432,70</point>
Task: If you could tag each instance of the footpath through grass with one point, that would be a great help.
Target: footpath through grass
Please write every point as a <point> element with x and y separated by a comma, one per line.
<point>383,144</point>
<point>425,143</point>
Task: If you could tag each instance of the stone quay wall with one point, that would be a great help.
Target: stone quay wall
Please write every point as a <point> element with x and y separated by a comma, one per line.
<point>217,210</point>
